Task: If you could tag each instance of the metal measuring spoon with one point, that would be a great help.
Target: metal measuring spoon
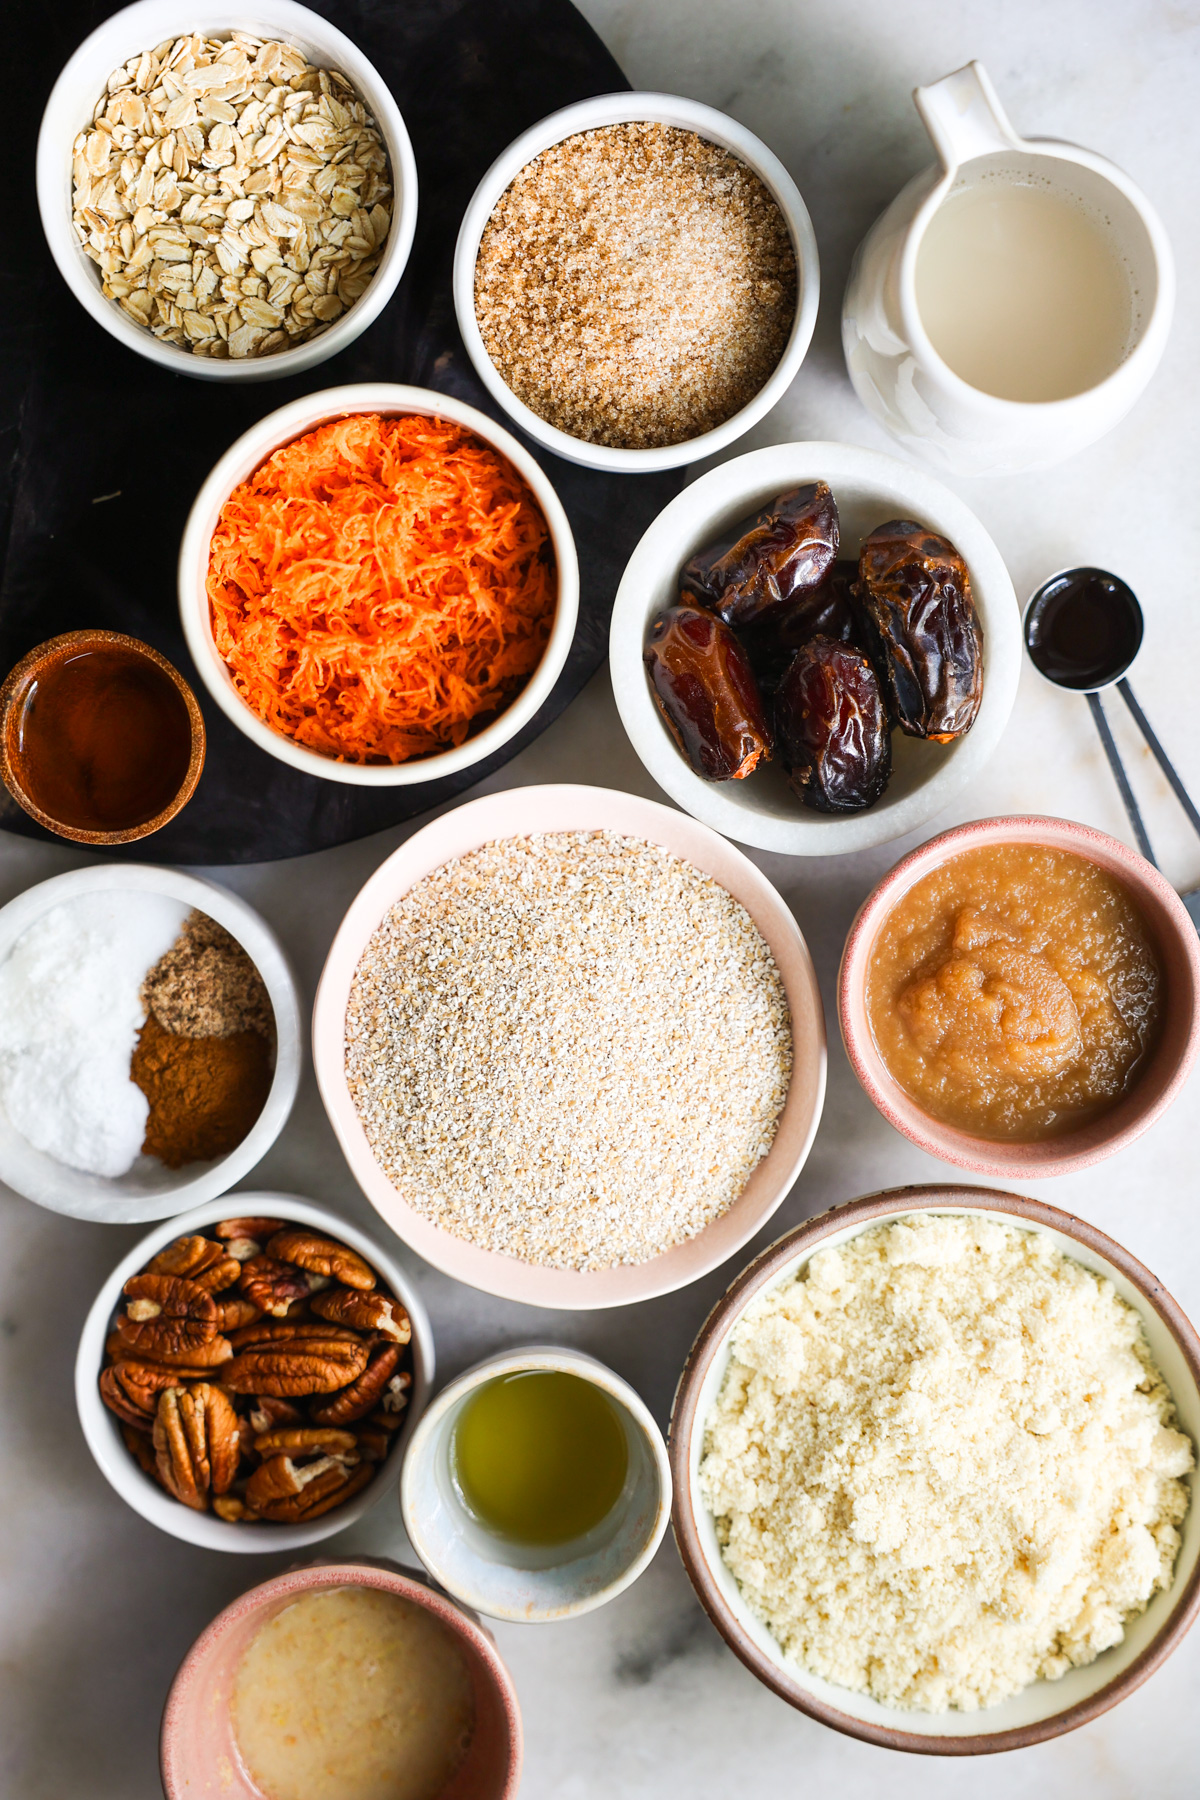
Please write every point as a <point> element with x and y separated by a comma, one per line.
<point>1083,629</point>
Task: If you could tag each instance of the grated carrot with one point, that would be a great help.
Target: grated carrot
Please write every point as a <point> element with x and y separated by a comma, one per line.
<point>380,585</point>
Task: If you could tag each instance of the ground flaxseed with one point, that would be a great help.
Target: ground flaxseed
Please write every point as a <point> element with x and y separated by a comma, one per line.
<point>635,285</point>
<point>571,1048</point>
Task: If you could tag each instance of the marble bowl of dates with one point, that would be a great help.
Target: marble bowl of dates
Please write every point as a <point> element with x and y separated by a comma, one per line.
<point>814,647</point>
<point>248,1375</point>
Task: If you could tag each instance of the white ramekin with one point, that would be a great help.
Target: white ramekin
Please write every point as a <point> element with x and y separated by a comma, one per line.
<point>103,1432</point>
<point>149,1190</point>
<point>253,448</point>
<point>69,109</point>
<point>524,1584</point>
<point>620,109</point>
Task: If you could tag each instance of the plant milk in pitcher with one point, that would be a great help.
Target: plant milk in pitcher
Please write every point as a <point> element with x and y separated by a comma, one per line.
<point>1021,289</point>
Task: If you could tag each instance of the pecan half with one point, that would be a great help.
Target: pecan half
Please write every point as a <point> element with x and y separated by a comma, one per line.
<point>373,1442</point>
<point>357,1400</point>
<point>322,1256</point>
<point>193,1360</point>
<point>305,1440</point>
<point>196,1441</point>
<point>235,1312</point>
<point>231,1509</point>
<point>118,1401</point>
<point>242,1249</point>
<point>196,1259</point>
<point>288,1331</point>
<point>259,1228</point>
<point>308,1366</point>
<point>131,1390</point>
<point>166,1313</point>
<point>369,1312</point>
<point>141,1448</point>
<point>286,1494</point>
<point>274,1285</point>
<point>268,1411</point>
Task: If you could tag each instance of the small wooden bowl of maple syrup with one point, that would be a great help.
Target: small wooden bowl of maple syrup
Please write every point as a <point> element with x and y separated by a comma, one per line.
<point>101,739</point>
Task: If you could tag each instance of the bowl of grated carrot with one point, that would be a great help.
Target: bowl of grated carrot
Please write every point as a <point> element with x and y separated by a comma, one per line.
<point>378,585</point>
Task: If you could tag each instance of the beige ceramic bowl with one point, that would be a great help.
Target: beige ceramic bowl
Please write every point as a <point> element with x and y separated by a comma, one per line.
<point>518,813</point>
<point>198,1754</point>
<point>1155,1088</point>
<point>1047,1709</point>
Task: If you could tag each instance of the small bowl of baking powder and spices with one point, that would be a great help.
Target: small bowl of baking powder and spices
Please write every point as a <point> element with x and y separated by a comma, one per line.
<point>149,1042</point>
<point>636,281</point>
<point>934,1456</point>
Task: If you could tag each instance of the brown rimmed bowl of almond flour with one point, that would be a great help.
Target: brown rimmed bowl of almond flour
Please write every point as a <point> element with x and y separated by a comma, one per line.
<point>572,1046</point>
<point>977,1534</point>
<point>636,281</point>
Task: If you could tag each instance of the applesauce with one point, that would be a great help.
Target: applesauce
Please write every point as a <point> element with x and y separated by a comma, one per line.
<point>1014,992</point>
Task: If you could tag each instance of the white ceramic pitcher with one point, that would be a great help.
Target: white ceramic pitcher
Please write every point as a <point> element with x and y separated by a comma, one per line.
<point>897,373</point>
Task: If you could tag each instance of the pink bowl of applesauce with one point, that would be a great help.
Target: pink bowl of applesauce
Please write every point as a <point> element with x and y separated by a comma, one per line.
<point>1020,996</point>
<point>342,1679</point>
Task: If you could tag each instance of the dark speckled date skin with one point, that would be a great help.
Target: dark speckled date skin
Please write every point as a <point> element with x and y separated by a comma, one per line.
<point>827,610</point>
<point>923,632</point>
<point>831,728</point>
<point>762,564</point>
<point>706,692</point>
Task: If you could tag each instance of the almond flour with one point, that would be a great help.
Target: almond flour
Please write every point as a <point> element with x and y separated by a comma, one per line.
<point>635,285</point>
<point>571,1048</point>
<point>943,1464</point>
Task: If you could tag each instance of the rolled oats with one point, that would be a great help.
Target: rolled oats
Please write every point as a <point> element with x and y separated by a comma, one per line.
<point>235,198</point>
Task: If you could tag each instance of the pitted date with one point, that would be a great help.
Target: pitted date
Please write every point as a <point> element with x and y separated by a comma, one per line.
<point>764,562</point>
<point>832,729</point>
<point>828,610</point>
<point>706,691</point>
<point>923,631</point>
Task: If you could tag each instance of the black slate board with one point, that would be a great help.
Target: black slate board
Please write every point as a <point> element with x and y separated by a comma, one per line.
<point>81,416</point>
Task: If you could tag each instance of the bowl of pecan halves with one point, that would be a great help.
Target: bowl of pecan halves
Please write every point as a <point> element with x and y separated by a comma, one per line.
<point>248,1376</point>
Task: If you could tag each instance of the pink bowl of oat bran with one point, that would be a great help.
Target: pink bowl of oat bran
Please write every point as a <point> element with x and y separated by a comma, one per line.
<point>572,1045</point>
<point>1156,1080</point>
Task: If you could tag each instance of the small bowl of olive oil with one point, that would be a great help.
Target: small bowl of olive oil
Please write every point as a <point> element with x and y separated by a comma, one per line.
<point>537,1485</point>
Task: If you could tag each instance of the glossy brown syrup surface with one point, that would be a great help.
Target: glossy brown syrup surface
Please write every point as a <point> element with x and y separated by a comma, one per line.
<point>101,739</point>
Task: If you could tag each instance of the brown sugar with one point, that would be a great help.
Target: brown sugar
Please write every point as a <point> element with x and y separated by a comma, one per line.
<point>205,1093</point>
<point>207,986</point>
<point>636,285</point>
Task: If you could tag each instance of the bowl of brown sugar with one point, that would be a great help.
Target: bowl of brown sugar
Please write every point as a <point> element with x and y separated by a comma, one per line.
<point>636,281</point>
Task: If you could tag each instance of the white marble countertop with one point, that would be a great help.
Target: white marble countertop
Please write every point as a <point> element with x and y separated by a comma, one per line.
<point>642,1699</point>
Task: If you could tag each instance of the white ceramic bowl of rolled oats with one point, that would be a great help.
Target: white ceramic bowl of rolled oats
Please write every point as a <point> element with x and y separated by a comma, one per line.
<point>933,1458</point>
<point>663,290</point>
<point>248,252</point>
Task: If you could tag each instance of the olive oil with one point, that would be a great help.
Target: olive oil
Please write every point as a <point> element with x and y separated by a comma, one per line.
<point>539,1457</point>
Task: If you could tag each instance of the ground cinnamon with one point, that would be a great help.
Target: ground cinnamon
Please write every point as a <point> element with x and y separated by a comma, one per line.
<point>204,1092</point>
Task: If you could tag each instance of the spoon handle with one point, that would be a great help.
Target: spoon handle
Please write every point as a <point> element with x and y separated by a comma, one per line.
<point>1121,779</point>
<point>1160,756</point>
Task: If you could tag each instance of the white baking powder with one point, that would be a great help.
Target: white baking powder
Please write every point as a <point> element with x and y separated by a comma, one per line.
<point>69,1018</point>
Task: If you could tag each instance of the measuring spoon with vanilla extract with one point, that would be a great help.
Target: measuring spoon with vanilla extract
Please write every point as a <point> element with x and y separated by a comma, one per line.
<point>1083,629</point>
<point>101,739</point>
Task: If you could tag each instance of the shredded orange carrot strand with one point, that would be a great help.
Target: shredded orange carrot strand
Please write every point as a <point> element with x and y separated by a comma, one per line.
<point>379,585</point>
